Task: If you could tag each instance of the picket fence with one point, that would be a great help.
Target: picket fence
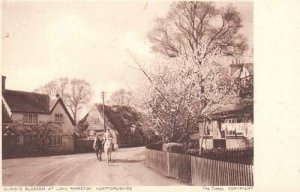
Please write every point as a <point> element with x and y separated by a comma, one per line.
<point>199,171</point>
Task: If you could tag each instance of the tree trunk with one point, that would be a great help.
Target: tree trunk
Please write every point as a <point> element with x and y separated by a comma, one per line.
<point>74,115</point>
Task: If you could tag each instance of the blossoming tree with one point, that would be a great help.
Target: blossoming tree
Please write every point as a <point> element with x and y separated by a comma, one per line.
<point>189,77</point>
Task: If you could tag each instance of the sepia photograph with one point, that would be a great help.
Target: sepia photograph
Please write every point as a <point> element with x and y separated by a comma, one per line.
<point>127,93</point>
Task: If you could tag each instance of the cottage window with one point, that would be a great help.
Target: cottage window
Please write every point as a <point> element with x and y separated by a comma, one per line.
<point>231,133</point>
<point>240,120</point>
<point>59,118</point>
<point>234,133</point>
<point>233,120</point>
<point>18,140</point>
<point>30,118</point>
<point>30,139</point>
<point>55,140</point>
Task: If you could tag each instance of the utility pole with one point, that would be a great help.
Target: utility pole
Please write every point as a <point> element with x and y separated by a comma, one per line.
<point>103,108</point>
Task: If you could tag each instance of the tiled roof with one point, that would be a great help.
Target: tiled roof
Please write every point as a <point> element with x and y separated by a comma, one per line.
<point>20,101</point>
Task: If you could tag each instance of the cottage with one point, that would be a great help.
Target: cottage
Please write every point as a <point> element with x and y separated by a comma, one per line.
<point>123,122</point>
<point>24,112</point>
<point>96,124</point>
<point>230,127</point>
<point>229,124</point>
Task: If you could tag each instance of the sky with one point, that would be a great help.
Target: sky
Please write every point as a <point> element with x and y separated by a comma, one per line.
<point>83,39</point>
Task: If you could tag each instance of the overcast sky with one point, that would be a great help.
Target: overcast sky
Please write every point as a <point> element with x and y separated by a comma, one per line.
<point>87,40</point>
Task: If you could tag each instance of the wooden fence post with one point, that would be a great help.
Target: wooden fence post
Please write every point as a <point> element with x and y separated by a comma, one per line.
<point>199,171</point>
<point>168,164</point>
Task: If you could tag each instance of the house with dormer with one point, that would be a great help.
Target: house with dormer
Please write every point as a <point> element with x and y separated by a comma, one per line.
<point>24,111</point>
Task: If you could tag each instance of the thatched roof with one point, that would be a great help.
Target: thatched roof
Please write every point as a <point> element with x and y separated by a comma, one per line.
<point>29,102</point>
<point>240,112</point>
<point>227,109</point>
<point>121,117</point>
<point>20,101</point>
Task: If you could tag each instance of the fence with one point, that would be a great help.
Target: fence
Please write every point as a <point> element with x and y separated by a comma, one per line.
<point>237,155</point>
<point>199,171</point>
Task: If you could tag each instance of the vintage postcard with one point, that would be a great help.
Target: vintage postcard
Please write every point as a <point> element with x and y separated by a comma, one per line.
<point>116,95</point>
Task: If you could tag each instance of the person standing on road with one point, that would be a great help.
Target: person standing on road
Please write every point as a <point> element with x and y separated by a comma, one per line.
<point>107,135</point>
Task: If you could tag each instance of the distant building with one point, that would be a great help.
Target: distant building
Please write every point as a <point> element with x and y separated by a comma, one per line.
<point>230,127</point>
<point>96,124</point>
<point>229,124</point>
<point>243,72</point>
<point>122,121</point>
<point>30,109</point>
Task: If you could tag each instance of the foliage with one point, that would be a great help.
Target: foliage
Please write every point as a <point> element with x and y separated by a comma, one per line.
<point>74,92</point>
<point>80,93</point>
<point>179,95</point>
<point>173,147</point>
<point>41,132</point>
<point>236,155</point>
<point>121,97</point>
<point>57,86</point>
<point>155,146</point>
<point>150,136</point>
<point>82,127</point>
<point>193,38</point>
<point>198,28</point>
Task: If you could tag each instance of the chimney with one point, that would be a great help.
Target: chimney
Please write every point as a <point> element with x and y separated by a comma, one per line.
<point>3,82</point>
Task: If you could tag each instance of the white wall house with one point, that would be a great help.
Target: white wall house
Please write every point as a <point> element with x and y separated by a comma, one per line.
<point>227,132</point>
<point>230,125</point>
<point>28,108</point>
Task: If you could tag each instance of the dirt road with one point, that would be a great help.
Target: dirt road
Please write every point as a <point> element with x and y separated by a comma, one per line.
<point>128,168</point>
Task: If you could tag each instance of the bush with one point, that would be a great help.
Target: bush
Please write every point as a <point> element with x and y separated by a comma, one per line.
<point>155,146</point>
<point>239,155</point>
<point>193,152</point>
<point>173,147</point>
